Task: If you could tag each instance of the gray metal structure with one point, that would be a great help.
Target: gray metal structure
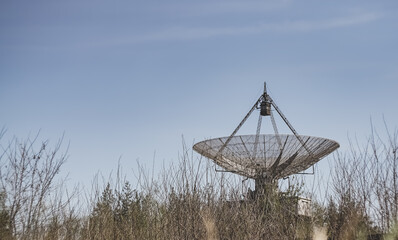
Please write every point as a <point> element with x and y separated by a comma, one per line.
<point>270,159</point>
<point>266,157</point>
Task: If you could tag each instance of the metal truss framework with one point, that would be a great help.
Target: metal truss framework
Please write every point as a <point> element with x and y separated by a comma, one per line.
<point>266,157</point>
<point>269,159</point>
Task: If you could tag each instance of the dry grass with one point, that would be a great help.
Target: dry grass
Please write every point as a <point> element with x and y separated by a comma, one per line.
<point>191,201</point>
<point>320,233</point>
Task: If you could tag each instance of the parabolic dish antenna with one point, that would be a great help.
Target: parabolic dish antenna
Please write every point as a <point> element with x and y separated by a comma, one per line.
<point>266,157</point>
<point>274,159</point>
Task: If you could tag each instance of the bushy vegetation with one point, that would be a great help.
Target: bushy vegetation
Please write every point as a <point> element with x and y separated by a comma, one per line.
<point>192,201</point>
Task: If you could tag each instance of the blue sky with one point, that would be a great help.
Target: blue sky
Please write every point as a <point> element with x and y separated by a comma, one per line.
<point>129,78</point>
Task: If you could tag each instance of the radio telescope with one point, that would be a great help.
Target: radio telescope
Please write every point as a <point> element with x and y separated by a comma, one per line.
<point>266,157</point>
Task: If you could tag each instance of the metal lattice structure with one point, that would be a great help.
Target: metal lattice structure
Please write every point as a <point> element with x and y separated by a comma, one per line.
<point>269,157</point>
<point>273,158</point>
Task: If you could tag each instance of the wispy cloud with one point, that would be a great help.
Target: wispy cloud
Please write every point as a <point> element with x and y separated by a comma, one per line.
<point>179,33</point>
<point>206,8</point>
<point>330,23</point>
